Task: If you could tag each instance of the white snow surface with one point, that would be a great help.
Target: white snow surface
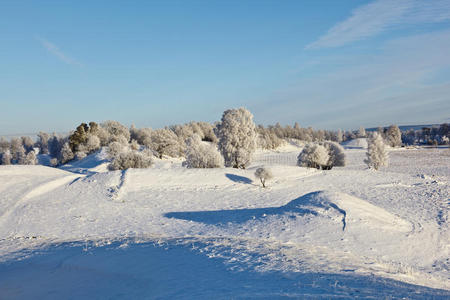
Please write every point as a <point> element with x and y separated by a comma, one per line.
<point>351,221</point>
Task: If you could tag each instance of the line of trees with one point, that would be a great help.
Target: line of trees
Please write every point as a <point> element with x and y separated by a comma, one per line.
<point>427,136</point>
<point>230,142</point>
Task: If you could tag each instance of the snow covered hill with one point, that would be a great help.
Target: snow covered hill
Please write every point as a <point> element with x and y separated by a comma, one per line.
<point>346,224</point>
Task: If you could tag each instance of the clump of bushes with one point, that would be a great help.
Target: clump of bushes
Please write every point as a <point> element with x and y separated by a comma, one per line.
<point>324,155</point>
<point>201,154</point>
<point>336,153</point>
<point>131,159</point>
<point>313,156</point>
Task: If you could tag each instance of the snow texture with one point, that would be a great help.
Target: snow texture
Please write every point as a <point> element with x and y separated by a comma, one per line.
<point>172,232</point>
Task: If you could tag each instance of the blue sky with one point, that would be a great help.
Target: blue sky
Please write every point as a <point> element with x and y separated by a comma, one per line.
<point>325,64</point>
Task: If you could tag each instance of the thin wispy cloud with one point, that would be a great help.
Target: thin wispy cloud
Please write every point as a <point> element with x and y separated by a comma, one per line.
<point>391,86</point>
<point>380,16</point>
<point>53,49</point>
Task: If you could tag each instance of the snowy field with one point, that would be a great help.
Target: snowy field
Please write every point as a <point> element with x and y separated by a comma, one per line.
<point>172,232</point>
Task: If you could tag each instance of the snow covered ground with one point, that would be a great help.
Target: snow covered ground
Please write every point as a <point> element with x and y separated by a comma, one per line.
<point>171,232</point>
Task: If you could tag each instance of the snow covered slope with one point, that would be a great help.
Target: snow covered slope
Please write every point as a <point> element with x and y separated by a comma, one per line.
<point>348,221</point>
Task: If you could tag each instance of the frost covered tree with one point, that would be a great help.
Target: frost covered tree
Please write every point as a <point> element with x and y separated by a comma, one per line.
<point>17,151</point>
<point>42,142</point>
<point>4,145</point>
<point>377,155</point>
<point>362,132</point>
<point>115,148</point>
<point>92,143</point>
<point>114,131</point>
<point>134,145</point>
<point>267,139</point>
<point>394,136</point>
<point>336,153</point>
<point>31,158</point>
<point>55,144</point>
<point>237,137</point>
<point>208,132</point>
<point>27,143</point>
<point>339,136</point>
<point>66,153</point>
<point>78,137</point>
<point>6,157</point>
<point>86,138</point>
<point>202,154</point>
<point>313,156</point>
<point>140,134</point>
<point>164,142</point>
<point>263,174</point>
<point>131,159</point>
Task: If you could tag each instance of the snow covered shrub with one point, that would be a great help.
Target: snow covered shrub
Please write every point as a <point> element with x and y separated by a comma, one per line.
<point>263,174</point>
<point>131,159</point>
<point>336,153</point>
<point>394,136</point>
<point>377,155</point>
<point>313,156</point>
<point>114,149</point>
<point>201,154</point>
<point>164,142</point>
<point>237,137</point>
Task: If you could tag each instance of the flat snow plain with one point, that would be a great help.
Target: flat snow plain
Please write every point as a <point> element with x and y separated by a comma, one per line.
<point>172,232</point>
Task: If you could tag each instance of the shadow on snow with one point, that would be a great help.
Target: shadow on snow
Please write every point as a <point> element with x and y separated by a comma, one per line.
<point>300,206</point>
<point>238,179</point>
<point>170,271</point>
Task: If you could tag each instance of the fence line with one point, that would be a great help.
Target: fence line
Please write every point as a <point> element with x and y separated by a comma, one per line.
<point>286,159</point>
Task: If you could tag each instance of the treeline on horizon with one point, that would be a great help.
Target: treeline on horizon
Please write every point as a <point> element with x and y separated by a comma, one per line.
<point>173,141</point>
